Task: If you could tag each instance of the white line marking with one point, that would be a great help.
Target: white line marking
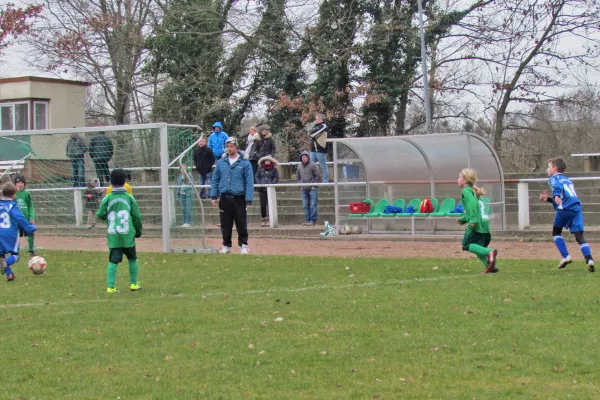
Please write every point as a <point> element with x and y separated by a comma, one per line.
<point>249,292</point>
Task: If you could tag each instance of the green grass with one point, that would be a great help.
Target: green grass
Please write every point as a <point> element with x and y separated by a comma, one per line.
<point>352,329</point>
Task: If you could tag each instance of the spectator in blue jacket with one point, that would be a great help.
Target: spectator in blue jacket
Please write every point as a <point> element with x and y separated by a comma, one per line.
<point>217,139</point>
<point>233,182</point>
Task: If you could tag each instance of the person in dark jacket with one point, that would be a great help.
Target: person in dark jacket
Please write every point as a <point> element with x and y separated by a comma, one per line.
<point>264,145</point>
<point>318,145</point>
<point>101,151</point>
<point>92,201</point>
<point>76,149</point>
<point>309,174</point>
<point>204,159</point>
<point>266,175</point>
<point>250,153</point>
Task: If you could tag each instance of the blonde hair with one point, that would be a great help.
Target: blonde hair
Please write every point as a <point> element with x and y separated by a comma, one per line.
<point>253,128</point>
<point>470,176</point>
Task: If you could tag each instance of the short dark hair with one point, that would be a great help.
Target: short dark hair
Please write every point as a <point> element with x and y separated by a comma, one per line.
<point>117,177</point>
<point>9,190</point>
<point>559,163</point>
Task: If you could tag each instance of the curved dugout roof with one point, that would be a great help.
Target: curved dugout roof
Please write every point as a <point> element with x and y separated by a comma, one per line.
<point>434,158</point>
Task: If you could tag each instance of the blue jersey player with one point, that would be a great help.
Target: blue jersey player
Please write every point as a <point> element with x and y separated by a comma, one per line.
<point>568,213</point>
<point>11,220</point>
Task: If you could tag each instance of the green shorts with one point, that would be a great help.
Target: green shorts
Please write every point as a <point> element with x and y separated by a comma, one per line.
<point>474,237</point>
<point>116,255</point>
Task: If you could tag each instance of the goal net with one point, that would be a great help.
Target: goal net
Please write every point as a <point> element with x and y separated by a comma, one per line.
<point>61,165</point>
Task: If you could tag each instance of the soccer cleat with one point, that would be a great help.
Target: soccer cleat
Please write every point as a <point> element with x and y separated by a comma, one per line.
<point>134,287</point>
<point>32,253</point>
<point>244,249</point>
<point>112,290</point>
<point>491,264</point>
<point>10,276</point>
<point>225,250</point>
<point>564,262</point>
<point>590,266</point>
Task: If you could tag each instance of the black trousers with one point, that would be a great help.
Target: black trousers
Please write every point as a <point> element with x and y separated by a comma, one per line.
<point>102,171</point>
<point>264,202</point>
<point>233,209</point>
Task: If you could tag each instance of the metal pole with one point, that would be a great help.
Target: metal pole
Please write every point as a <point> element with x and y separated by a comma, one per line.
<point>164,188</point>
<point>336,193</point>
<point>424,67</point>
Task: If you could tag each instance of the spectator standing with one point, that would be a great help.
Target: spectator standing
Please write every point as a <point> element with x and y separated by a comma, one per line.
<point>318,145</point>
<point>217,139</point>
<point>308,173</point>
<point>250,154</point>
<point>266,175</point>
<point>76,149</point>
<point>233,182</point>
<point>101,151</point>
<point>92,201</point>
<point>265,145</point>
<point>204,159</point>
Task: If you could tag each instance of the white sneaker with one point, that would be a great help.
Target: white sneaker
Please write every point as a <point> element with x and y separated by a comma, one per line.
<point>565,261</point>
<point>590,266</point>
<point>185,225</point>
<point>244,249</point>
<point>225,250</point>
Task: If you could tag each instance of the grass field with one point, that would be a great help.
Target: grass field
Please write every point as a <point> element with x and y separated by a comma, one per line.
<point>206,327</point>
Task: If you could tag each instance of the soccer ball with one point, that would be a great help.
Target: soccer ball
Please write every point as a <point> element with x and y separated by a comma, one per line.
<point>37,265</point>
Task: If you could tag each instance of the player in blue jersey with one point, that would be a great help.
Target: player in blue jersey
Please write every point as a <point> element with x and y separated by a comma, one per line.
<point>11,220</point>
<point>568,213</point>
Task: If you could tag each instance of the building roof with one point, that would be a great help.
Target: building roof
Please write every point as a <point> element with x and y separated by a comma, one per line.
<point>43,79</point>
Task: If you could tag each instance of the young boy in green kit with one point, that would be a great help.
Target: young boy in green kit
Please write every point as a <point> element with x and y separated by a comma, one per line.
<point>25,204</point>
<point>124,222</point>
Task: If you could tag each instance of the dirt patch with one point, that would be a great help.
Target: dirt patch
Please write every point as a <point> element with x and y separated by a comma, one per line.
<point>333,248</point>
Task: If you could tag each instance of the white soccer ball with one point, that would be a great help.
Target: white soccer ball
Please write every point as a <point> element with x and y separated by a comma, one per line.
<point>37,265</point>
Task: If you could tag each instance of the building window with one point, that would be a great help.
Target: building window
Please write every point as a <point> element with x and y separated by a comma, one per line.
<point>21,117</point>
<point>40,118</point>
<point>6,118</point>
<point>17,117</point>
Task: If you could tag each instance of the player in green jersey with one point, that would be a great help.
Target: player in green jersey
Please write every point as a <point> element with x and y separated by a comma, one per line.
<point>477,235</point>
<point>124,222</point>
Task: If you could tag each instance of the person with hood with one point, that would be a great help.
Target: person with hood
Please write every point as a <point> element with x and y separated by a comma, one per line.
<point>101,151</point>
<point>76,149</point>
<point>204,159</point>
<point>233,182</point>
<point>217,139</point>
<point>318,145</point>
<point>264,145</point>
<point>308,173</point>
<point>266,175</point>
<point>250,154</point>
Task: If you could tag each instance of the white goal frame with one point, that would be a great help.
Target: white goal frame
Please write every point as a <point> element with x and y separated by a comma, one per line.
<point>164,161</point>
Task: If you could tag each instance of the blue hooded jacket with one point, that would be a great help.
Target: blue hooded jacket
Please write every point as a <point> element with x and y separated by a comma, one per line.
<point>216,140</point>
<point>234,179</point>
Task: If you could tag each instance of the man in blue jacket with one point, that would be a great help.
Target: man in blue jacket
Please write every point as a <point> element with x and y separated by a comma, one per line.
<point>233,182</point>
<point>217,139</point>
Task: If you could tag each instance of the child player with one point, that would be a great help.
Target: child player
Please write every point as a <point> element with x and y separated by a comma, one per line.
<point>121,212</point>
<point>26,206</point>
<point>11,221</point>
<point>568,213</point>
<point>477,235</point>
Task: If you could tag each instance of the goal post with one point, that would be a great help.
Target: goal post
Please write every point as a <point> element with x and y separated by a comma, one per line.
<point>63,203</point>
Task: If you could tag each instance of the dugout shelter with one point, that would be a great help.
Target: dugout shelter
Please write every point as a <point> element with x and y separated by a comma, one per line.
<point>401,169</point>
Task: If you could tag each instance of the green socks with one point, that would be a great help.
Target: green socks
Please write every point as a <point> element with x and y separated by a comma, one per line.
<point>30,243</point>
<point>111,273</point>
<point>133,271</point>
<point>481,252</point>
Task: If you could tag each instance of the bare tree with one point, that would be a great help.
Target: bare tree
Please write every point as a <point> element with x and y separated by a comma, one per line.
<point>525,50</point>
<point>102,40</point>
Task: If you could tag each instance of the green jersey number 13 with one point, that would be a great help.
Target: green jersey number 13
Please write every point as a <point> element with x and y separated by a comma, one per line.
<point>118,222</point>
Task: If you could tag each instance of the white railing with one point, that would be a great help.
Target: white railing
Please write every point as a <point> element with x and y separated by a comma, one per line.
<point>523,197</point>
